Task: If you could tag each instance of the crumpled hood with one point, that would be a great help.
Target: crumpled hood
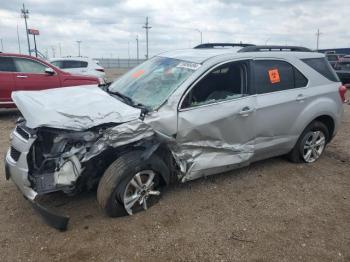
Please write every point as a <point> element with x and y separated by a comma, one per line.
<point>73,108</point>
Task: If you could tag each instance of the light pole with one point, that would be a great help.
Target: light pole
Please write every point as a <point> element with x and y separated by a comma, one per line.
<point>200,32</point>
<point>147,27</point>
<point>78,47</point>
<point>25,15</point>
<point>2,45</point>
<point>137,47</point>
<point>19,43</point>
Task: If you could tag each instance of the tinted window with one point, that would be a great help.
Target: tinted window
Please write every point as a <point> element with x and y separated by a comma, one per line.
<point>59,64</point>
<point>74,64</point>
<point>226,82</point>
<point>7,64</point>
<point>300,79</point>
<point>272,76</point>
<point>29,66</point>
<point>322,66</point>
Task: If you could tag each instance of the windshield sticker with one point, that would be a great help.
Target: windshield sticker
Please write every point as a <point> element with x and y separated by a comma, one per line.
<point>138,73</point>
<point>191,66</point>
<point>274,76</point>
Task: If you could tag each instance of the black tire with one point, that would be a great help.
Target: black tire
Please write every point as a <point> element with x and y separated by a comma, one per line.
<point>296,155</point>
<point>111,188</point>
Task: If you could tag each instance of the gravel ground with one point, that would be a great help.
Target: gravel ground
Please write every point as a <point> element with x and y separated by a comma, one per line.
<point>271,211</point>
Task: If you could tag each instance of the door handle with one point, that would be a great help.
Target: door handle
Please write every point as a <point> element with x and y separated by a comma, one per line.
<point>20,76</point>
<point>300,98</point>
<point>246,111</point>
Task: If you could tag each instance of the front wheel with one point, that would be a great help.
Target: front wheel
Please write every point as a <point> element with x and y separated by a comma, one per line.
<point>131,184</point>
<point>310,144</point>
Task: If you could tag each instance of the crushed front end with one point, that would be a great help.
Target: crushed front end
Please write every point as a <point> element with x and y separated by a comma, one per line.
<point>45,160</point>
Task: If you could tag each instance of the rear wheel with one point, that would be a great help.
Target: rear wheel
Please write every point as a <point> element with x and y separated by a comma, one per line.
<point>131,184</point>
<point>310,144</point>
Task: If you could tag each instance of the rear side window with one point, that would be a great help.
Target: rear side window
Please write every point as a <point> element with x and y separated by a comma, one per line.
<point>74,64</point>
<point>322,66</point>
<point>7,64</point>
<point>273,75</point>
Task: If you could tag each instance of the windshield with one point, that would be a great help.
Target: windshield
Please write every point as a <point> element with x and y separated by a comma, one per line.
<point>151,83</point>
<point>343,66</point>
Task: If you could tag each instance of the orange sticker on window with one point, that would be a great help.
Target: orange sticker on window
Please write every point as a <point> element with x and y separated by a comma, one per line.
<point>138,73</point>
<point>274,76</point>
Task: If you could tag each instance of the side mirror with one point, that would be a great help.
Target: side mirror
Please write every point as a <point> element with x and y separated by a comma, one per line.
<point>49,71</point>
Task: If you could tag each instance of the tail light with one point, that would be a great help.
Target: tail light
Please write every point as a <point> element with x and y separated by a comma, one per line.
<point>100,70</point>
<point>342,91</point>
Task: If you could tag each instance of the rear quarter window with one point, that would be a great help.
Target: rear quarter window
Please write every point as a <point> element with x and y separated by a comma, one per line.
<point>322,66</point>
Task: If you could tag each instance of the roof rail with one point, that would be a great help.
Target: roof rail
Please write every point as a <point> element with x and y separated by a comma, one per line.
<point>213,45</point>
<point>263,48</point>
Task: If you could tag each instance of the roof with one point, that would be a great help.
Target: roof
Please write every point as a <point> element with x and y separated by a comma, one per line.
<point>71,58</point>
<point>203,54</point>
<point>199,55</point>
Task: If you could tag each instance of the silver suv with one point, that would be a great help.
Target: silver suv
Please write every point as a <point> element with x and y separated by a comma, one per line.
<point>179,116</point>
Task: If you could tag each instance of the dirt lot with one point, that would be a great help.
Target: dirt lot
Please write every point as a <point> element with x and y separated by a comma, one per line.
<point>271,211</point>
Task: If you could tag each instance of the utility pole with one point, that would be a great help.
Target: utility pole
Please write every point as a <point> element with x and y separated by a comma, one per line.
<point>318,38</point>
<point>137,47</point>
<point>147,27</point>
<point>25,15</point>
<point>200,32</point>
<point>78,47</point>
<point>19,43</point>
<point>53,49</point>
<point>59,46</point>
<point>2,45</point>
<point>129,50</point>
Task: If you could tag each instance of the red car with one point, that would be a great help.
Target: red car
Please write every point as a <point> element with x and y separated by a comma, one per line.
<point>23,72</point>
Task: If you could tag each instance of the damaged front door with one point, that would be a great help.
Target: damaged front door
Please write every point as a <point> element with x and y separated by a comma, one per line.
<point>216,127</point>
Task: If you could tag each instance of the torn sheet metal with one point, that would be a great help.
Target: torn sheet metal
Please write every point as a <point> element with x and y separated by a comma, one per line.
<point>120,135</point>
<point>72,108</point>
<point>205,157</point>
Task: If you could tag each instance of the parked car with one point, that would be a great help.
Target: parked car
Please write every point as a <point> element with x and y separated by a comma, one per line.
<point>79,65</point>
<point>22,72</point>
<point>179,116</point>
<point>333,58</point>
<point>342,68</point>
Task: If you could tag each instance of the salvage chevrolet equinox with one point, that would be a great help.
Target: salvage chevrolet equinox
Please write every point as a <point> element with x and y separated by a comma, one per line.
<point>179,116</point>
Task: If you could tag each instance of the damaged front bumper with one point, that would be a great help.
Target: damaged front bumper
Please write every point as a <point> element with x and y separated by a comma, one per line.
<point>16,169</point>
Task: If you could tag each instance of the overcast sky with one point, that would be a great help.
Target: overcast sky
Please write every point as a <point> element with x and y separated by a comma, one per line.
<point>107,27</point>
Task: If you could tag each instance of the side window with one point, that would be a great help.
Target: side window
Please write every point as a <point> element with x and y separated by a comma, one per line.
<point>274,75</point>
<point>83,64</point>
<point>7,65</point>
<point>225,82</point>
<point>74,64</point>
<point>322,66</point>
<point>59,64</point>
<point>29,66</point>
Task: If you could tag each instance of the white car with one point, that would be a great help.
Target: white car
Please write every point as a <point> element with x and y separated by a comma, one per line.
<point>79,65</point>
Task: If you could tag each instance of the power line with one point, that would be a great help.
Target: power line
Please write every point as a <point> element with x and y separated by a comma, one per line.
<point>147,27</point>
<point>25,15</point>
